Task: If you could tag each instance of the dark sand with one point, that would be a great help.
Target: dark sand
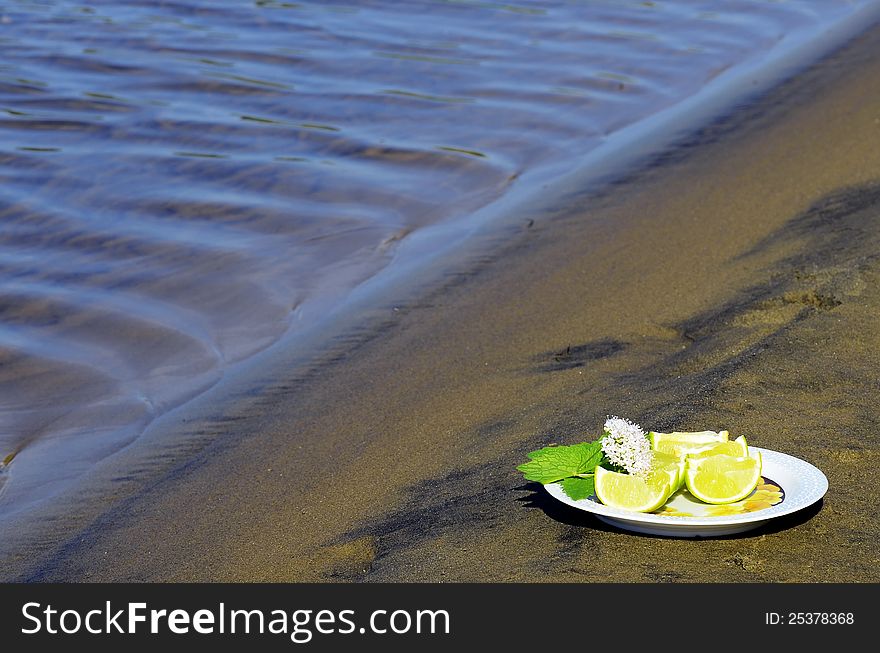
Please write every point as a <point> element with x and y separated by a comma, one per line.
<point>731,283</point>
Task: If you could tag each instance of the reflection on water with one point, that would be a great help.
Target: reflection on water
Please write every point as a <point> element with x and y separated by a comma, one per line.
<point>182,182</point>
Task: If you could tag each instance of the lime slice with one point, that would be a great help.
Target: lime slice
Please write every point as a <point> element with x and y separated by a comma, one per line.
<point>738,447</point>
<point>722,478</point>
<point>630,492</point>
<point>681,443</point>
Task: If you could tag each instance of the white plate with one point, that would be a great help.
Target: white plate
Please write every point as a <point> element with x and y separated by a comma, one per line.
<point>802,484</point>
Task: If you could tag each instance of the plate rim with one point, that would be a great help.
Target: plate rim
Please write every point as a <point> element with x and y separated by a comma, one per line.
<point>798,500</point>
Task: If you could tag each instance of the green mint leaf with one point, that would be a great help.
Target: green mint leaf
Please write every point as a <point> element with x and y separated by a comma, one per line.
<point>552,464</point>
<point>578,488</point>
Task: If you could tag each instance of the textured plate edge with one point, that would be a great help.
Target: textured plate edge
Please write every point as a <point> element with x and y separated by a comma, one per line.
<point>682,531</point>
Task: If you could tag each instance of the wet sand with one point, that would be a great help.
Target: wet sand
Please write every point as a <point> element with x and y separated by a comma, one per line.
<point>731,282</point>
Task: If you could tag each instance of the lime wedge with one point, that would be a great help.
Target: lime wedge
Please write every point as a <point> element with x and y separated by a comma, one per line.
<point>722,478</point>
<point>636,493</point>
<point>697,437</point>
<point>738,447</point>
<point>681,443</point>
<point>673,465</point>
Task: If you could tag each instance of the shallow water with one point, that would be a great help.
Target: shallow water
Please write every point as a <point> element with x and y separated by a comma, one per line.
<point>182,183</point>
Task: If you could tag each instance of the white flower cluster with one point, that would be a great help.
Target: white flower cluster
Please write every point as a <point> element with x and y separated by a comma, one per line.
<point>626,446</point>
